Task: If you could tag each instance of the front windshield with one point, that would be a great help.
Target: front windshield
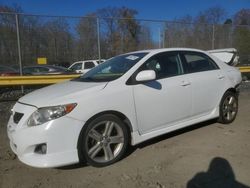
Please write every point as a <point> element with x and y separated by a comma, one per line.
<point>112,68</point>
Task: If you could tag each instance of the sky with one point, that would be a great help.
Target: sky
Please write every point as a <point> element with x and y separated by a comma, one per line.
<point>147,9</point>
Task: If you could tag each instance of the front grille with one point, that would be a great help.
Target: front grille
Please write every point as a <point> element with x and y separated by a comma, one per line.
<point>17,117</point>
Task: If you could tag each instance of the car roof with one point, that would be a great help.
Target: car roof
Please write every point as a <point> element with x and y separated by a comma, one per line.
<point>152,51</point>
<point>90,60</point>
<point>166,50</point>
<point>52,66</point>
<point>47,66</point>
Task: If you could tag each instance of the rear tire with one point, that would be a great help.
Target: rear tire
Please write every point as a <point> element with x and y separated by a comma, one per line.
<point>228,108</point>
<point>103,141</point>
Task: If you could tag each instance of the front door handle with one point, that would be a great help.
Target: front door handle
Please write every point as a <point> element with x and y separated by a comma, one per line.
<point>185,83</point>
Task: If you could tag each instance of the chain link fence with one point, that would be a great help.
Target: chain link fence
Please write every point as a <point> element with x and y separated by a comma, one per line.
<point>70,39</point>
<point>64,40</point>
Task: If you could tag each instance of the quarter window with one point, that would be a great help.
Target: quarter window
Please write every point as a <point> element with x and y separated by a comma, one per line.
<point>197,62</point>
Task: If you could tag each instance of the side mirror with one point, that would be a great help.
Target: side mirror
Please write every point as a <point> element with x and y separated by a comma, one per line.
<point>146,75</point>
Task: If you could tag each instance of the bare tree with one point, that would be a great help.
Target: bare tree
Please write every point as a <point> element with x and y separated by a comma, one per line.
<point>145,37</point>
<point>197,32</point>
<point>58,40</point>
<point>8,45</point>
<point>87,38</point>
<point>120,30</point>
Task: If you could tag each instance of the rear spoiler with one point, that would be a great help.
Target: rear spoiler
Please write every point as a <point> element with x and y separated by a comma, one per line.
<point>227,55</point>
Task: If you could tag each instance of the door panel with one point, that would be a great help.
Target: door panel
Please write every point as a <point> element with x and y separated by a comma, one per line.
<point>208,88</point>
<point>159,103</point>
<point>167,99</point>
<point>207,82</point>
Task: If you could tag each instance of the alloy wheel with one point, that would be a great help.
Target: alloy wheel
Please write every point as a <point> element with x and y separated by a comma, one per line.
<point>229,108</point>
<point>104,141</point>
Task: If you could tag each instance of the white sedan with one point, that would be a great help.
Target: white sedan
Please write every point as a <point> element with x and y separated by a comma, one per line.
<point>126,100</point>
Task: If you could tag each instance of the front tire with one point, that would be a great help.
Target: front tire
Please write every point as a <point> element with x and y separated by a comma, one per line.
<point>103,141</point>
<point>228,108</point>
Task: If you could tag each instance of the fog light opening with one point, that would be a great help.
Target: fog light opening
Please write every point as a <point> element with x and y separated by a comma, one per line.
<point>41,149</point>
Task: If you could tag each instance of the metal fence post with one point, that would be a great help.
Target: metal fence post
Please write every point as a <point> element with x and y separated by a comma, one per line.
<point>19,48</point>
<point>122,44</point>
<point>231,35</point>
<point>163,35</point>
<point>213,37</point>
<point>98,39</point>
<point>159,37</point>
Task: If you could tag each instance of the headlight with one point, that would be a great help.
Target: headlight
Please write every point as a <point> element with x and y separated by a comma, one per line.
<point>43,115</point>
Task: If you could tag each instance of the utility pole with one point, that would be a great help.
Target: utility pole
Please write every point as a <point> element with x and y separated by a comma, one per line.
<point>98,39</point>
<point>19,49</point>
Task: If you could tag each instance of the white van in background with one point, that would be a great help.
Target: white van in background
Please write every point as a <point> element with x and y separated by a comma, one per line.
<point>84,66</point>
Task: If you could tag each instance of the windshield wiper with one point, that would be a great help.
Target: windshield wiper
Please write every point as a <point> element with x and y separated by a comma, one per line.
<point>89,79</point>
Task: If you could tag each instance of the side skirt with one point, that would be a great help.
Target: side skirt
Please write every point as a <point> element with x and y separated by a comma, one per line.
<point>137,138</point>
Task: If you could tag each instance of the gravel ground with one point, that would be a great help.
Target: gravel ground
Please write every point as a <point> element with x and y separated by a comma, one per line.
<point>207,155</point>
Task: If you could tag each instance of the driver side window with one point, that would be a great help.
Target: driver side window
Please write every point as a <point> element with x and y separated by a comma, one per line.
<point>165,65</point>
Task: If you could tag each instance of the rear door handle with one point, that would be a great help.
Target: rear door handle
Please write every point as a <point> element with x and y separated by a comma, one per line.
<point>221,76</point>
<point>185,83</point>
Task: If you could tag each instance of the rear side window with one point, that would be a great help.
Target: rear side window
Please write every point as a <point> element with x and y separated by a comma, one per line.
<point>42,69</point>
<point>28,70</point>
<point>89,65</point>
<point>197,62</point>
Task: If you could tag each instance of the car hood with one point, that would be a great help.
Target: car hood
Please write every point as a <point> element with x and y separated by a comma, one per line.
<point>62,93</point>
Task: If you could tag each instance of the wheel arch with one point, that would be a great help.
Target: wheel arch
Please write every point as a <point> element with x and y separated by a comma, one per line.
<point>231,90</point>
<point>120,115</point>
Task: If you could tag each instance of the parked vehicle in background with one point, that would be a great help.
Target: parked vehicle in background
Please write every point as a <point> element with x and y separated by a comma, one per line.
<point>8,71</point>
<point>126,100</point>
<point>45,70</point>
<point>84,66</point>
<point>63,64</point>
<point>99,62</point>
